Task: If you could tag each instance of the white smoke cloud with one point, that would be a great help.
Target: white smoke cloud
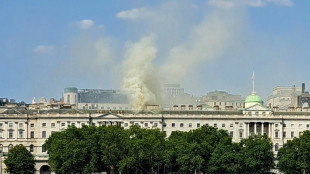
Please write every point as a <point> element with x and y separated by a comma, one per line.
<point>139,76</point>
<point>282,2</point>
<point>204,42</point>
<point>132,14</point>
<point>85,24</point>
<point>250,3</point>
<point>43,49</point>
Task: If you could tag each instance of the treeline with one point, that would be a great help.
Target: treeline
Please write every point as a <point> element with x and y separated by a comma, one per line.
<point>137,150</point>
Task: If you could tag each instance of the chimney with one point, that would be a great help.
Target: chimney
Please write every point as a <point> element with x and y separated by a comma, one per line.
<point>183,107</point>
<point>303,86</point>
<point>175,107</point>
<point>190,107</point>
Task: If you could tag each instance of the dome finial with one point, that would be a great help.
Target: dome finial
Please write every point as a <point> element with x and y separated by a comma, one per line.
<point>253,80</point>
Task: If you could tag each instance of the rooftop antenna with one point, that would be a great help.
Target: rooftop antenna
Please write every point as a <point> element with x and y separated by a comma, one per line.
<point>253,80</point>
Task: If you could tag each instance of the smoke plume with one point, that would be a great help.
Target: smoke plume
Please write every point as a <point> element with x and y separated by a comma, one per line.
<point>139,76</point>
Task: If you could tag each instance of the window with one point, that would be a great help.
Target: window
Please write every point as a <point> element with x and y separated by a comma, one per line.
<point>190,125</point>
<point>256,113</point>
<point>63,124</point>
<point>198,125</point>
<point>276,125</point>
<point>52,132</point>
<point>292,125</point>
<point>240,124</point>
<point>10,147</point>
<point>146,124</point>
<point>83,124</point>
<point>231,133</point>
<point>21,134</point>
<point>20,125</point>
<point>1,125</point>
<point>43,148</point>
<point>43,134</point>
<point>155,124</point>
<point>52,124</point>
<point>240,134</point>
<point>68,98</point>
<point>300,125</point>
<point>284,125</point>
<point>215,125</point>
<point>10,125</point>
<point>223,124</point>
<point>10,134</point>
<point>276,147</point>
<point>1,134</point>
<point>43,124</point>
<point>181,125</point>
<point>308,126</point>
<point>126,124</point>
<point>277,134</point>
<point>32,125</point>
<point>73,124</point>
<point>102,107</point>
<point>32,134</point>
<point>284,134</point>
<point>173,125</point>
<point>31,148</point>
<point>292,134</point>
<point>231,125</point>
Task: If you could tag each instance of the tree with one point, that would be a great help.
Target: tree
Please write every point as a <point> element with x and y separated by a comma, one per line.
<point>146,148</point>
<point>257,154</point>
<point>294,156</point>
<point>20,161</point>
<point>227,159</point>
<point>112,146</point>
<point>192,151</point>
<point>75,150</point>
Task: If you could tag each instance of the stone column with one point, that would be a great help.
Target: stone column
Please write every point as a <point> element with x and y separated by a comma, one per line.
<point>255,128</point>
<point>262,128</point>
<point>269,132</point>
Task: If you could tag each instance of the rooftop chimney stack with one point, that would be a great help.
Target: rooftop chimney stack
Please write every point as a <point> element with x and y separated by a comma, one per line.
<point>303,86</point>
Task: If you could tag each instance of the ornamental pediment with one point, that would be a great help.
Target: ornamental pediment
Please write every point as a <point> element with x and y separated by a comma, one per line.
<point>109,115</point>
<point>257,107</point>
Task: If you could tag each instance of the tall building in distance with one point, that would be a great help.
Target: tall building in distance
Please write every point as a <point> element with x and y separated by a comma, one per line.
<point>284,97</point>
<point>223,100</point>
<point>174,95</point>
<point>95,99</point>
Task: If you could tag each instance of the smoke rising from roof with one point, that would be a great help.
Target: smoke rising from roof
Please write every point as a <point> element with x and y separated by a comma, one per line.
<point>139,74</point>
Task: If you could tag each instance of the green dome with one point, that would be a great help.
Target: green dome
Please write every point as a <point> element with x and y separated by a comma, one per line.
<point>253,98</point>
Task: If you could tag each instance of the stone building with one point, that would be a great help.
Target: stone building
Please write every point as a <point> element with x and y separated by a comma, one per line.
<point>32,127</point>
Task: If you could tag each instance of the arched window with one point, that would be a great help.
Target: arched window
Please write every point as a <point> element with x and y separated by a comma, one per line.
<point>10,147</point>
<point>276,147</point>
<point>31,148</point>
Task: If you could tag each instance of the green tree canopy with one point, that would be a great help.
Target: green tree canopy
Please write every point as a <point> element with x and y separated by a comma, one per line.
<point>294,156</point>
<point>146,148</point>
<point>75,150</point>
<point>257,154</point>
<point>20,161</point>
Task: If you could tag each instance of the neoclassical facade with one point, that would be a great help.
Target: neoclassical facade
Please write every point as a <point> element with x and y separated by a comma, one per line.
<point>32,127</point>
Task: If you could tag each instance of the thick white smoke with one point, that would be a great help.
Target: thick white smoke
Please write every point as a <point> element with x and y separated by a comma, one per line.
<point>139,76</point>
<point>204,42</point>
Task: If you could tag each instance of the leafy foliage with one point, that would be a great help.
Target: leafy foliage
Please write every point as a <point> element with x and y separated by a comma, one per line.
<point>257,154</point>
<point>20,161</point>
<point>137,150</point>
<point>294,156</point>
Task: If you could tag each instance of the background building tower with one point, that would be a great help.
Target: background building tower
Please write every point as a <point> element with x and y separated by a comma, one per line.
<point>71,95</point>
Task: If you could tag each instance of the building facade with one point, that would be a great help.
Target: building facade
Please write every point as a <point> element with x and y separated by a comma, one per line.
<point>32,127</point>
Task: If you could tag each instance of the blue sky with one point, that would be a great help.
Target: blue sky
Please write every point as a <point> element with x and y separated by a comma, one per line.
<point>207,45</point>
